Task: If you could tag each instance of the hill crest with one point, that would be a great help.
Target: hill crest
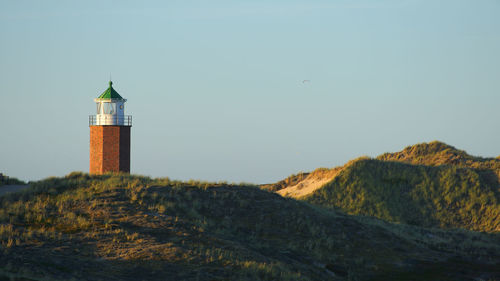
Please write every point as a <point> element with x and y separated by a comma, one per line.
<point>437,153</point>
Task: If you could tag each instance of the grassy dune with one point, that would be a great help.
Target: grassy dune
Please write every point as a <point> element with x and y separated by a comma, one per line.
<point>120,227</point>
<point>429,184</point>
<point>443,196</point>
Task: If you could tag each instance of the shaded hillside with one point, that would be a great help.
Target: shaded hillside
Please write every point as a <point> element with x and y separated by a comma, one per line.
<point>5,180</point>
<point>437,153</point>
<point>135,228</point>
<point>444,196</point>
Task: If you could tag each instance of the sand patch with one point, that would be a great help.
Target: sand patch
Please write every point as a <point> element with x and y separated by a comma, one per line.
<point>312,182</point>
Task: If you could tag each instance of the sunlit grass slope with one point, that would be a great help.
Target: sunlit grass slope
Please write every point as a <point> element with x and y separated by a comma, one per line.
<point>428,184</point>
<point>120,227</point>
<point>437,153</point>
<point>444,196</point>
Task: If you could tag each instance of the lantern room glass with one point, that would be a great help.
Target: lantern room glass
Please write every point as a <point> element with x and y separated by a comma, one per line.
<point>106,108</point>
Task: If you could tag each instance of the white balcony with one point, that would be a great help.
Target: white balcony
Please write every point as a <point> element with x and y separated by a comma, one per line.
<point>110,120</point>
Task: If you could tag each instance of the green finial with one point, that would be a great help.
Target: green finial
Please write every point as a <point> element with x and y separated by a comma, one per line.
<point>110,83</point>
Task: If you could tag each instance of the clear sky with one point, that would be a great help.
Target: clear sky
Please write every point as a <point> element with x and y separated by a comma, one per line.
<point>216,87</point>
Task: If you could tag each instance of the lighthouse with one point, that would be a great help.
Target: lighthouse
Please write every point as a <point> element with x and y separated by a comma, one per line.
<point>110,134</point>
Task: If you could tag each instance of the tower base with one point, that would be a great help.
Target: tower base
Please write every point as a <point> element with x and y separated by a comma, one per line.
<point>109,149</point>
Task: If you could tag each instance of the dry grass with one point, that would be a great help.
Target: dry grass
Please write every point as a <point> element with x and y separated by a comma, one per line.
<point>122,227</point>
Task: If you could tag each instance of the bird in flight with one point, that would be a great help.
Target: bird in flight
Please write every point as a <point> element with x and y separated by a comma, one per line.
<point>306,81</point>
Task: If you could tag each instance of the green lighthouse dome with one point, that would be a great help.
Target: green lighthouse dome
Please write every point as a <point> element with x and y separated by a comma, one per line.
<point>110,93</point>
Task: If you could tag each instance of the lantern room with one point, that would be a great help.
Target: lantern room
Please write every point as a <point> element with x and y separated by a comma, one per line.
<point>110,109</point>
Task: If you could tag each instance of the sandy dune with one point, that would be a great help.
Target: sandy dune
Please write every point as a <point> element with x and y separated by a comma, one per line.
<point>313,181</point>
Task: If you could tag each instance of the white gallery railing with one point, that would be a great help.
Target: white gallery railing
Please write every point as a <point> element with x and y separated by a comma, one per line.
<point>110,120</point>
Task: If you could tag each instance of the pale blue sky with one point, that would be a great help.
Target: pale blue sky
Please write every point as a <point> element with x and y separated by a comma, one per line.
<point>215,87</point>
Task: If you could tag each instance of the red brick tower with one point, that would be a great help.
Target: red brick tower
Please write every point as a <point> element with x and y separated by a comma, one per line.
<point>110,134</point>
